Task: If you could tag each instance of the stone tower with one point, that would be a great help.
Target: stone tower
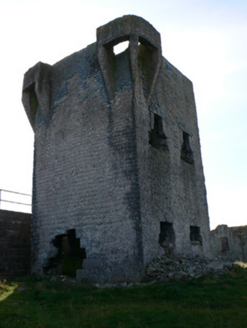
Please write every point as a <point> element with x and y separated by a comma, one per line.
<point>118,176</point>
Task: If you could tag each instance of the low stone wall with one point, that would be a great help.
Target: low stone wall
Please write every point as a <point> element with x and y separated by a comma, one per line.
<point>229,243</point>
<point>14,243</point>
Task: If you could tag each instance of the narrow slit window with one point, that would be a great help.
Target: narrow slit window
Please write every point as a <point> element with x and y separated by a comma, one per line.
<point>186,151</point>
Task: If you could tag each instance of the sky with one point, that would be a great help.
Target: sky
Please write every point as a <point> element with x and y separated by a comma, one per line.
<point>204,39</point>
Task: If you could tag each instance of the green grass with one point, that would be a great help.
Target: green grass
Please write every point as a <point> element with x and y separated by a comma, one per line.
<point>211,301</point>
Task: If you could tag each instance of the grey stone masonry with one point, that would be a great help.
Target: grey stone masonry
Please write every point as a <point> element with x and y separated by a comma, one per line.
<point>229,243</point>
<point>14,244</point>
<point>118,176</point>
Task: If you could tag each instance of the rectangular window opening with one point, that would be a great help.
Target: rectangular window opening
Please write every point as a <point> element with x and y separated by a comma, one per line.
<point>157,137</point>
<point>186,151</point>
<point>195,235</point>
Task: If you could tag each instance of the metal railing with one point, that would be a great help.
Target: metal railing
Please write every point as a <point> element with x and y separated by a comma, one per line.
<point>15,198</point>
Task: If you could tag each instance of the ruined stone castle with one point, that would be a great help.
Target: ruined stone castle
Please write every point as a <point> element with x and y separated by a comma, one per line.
<point>118,176</point>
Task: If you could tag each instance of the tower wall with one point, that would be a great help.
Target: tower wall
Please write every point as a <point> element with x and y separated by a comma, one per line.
<point>85,173</point>
<point>117,164</point>
<point>172,187</point>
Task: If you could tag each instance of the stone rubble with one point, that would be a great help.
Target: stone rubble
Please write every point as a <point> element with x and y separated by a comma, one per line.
<point>169,267</point>
<point>176,267</point>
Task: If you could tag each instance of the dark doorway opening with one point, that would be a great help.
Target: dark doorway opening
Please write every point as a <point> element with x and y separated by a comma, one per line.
<point>69,256</point>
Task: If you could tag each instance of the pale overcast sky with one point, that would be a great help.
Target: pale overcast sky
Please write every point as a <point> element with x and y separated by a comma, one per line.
<point>204,39</point>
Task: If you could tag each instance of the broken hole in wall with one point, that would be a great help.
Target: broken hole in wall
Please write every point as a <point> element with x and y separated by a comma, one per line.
<point>224,245</point>
<point>69,256</point>
<point>195,235</point>
<point>167,236</point>
<point>186,151</point>
<point>157,137</point>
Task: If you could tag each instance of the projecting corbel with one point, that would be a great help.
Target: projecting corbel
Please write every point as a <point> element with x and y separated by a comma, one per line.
<point>36,92</point>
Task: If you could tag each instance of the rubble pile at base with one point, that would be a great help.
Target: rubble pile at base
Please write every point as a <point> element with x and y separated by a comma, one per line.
<point>167,267</point>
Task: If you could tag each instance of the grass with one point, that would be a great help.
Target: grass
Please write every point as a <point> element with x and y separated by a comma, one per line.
<point>6,290</point>
<point>211,301</point>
